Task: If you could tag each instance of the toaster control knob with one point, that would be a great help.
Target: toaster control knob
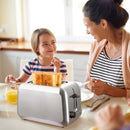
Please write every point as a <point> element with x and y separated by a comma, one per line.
<point>72,114</point>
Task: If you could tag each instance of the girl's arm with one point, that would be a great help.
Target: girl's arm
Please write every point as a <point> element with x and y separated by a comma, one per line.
<point>9,79</point>
<point>63,76</point>
<point>22,78</point>
<point>57,65</point>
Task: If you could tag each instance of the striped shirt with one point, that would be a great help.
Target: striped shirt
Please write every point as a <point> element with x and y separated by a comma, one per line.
<point>108,70</point>
<point>34,66</point>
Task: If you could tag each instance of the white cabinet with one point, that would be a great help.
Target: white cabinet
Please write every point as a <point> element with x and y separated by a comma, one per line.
<point>10,63</point>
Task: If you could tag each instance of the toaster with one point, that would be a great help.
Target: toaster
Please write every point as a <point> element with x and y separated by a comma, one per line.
<point>50,105</point>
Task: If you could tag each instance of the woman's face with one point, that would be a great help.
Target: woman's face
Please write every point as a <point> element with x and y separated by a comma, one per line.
<point>95,30</point>
<point>46,46</point>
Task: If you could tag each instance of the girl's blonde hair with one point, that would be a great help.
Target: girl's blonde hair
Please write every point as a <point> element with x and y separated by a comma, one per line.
<point>35,38</point>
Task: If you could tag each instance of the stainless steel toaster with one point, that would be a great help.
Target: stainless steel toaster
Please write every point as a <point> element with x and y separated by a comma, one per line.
<point>51,105</point>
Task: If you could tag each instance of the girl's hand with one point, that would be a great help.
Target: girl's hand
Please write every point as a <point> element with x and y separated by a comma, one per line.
<point>96,86</point>
<point>10,79</point>
<point>110,117</point>
<point>57,64</point>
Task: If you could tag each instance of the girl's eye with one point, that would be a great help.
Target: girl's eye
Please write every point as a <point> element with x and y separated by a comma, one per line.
<point>44,44</point>
<point>53,42</point>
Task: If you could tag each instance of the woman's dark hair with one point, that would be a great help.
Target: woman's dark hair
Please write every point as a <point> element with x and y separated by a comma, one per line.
<point>106,9</point>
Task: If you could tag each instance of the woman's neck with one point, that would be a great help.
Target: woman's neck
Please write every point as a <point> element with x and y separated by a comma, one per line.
<point>115,38</point>
<point>45,60</point>
<point>113,47</point>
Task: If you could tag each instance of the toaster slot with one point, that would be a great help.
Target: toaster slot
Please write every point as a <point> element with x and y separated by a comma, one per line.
<point>75,109</point>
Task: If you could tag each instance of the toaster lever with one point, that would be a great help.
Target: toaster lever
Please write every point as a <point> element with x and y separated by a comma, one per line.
<point>74,96</point>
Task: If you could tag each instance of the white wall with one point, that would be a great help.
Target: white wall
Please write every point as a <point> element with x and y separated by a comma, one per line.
<point>10,17</point>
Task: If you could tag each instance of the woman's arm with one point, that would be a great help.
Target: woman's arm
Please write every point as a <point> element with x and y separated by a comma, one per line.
<point>114,91</point>
<point>99,87</point>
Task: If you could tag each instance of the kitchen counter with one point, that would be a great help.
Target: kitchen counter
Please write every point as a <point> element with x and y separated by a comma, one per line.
<point>73,48</point>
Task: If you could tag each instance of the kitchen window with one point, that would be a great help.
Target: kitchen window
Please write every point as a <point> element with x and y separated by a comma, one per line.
<point>63,17</point>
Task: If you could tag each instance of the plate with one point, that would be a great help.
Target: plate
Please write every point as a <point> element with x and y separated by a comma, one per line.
<point>86,94</point>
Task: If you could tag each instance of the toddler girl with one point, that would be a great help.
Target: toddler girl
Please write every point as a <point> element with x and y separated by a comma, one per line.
<point>43,44</point>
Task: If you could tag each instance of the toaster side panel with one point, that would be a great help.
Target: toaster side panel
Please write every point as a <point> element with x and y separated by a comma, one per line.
<point>71,98</point>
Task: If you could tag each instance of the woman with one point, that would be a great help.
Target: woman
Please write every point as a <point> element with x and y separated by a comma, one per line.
<point>108,70</point>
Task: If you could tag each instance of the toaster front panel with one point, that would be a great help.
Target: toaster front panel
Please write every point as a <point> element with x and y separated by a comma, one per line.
<point>40,104</point>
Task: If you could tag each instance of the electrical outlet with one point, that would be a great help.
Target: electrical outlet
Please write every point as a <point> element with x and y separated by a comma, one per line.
<point>4,27</point>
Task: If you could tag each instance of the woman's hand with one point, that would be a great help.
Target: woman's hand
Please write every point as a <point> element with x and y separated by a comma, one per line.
<point>110,117</point>
<point>10,79</point>
<point>96,86</point>
<point>57,64</point>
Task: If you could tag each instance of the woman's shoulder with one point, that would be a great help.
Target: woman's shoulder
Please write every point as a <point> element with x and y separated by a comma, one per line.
<point>126,39</point>
<point>125,35</point>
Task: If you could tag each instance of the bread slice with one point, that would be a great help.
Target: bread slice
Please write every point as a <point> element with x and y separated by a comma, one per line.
<point>47,78</point>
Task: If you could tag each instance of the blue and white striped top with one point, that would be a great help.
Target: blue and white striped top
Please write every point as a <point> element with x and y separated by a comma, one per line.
<point>108,70</point>
<point>34,66</point>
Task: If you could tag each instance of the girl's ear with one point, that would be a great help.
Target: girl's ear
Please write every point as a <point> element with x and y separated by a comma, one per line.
<point>104,23</point>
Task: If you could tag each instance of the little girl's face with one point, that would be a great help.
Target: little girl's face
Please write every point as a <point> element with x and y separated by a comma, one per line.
<point>46,46</point>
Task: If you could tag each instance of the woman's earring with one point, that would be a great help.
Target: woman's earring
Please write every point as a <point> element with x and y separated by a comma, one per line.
<point>38,53</point>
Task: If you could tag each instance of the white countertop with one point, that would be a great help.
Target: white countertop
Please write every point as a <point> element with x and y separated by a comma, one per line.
<point>9,120</point>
